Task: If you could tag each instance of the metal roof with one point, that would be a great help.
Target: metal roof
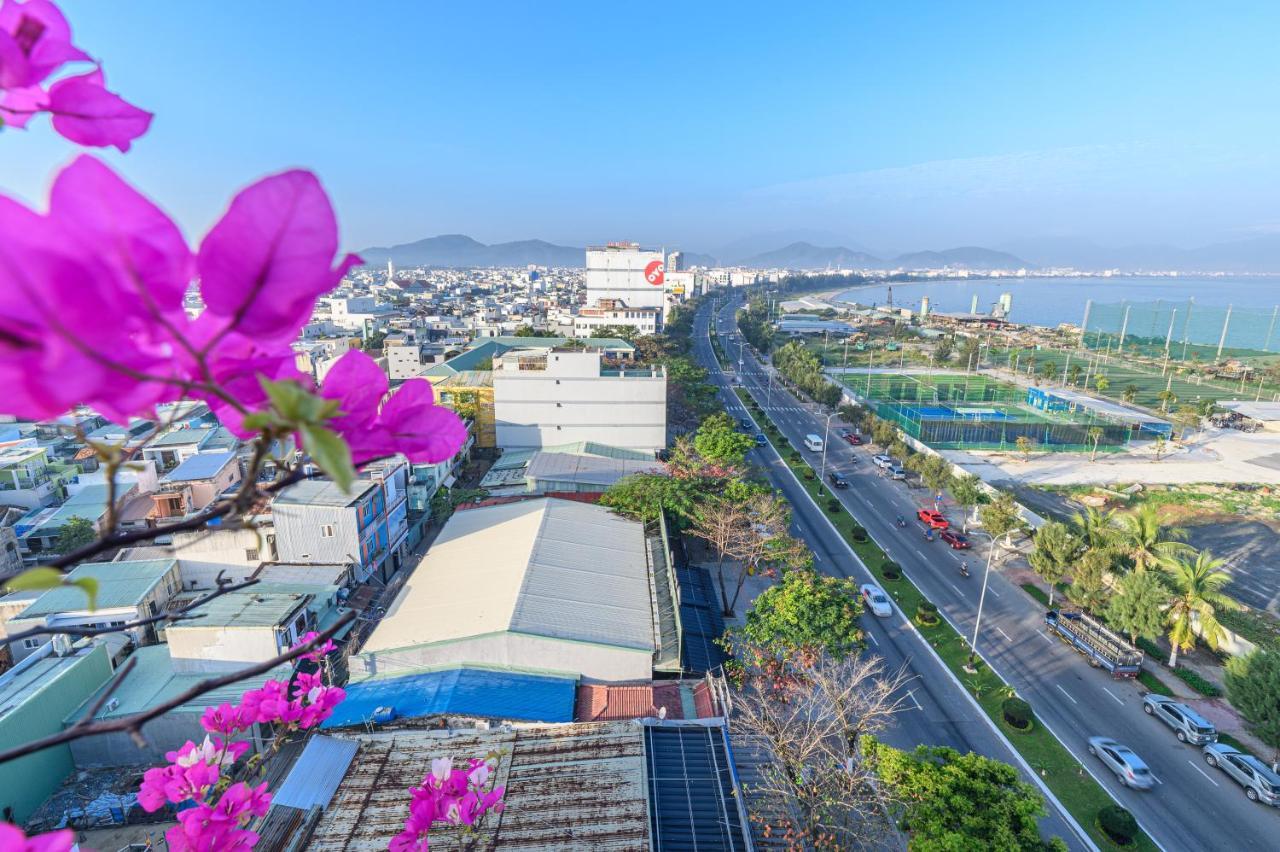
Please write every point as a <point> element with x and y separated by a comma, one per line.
<point>250,608</point>
<point>606,702</point>
<point>200,466</point>
<point>29,678</point>
<point>482,693</point>
<point>120,584</point>
<point>316,774</point>
<point>693,802</point>
<point>323,492</point>
<point>701,622</point>
<point>568,787</point>
<point>182,437</point>
<point>553,568</point>
<point>586,470</point>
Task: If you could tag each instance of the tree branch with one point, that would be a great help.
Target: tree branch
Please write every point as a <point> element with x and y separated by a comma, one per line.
<point>132,725</point>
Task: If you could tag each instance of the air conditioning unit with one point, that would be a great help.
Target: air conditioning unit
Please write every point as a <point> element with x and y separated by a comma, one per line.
<point>111,705</point>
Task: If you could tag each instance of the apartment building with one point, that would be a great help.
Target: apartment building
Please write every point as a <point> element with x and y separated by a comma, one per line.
<point>27,479</point>
<point>627,273</point>
<point>614,312</point>
<point>545,397</point>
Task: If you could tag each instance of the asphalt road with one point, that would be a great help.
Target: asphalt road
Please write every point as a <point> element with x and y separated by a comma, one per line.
<point>1193,807</point>
<point>936,708</point>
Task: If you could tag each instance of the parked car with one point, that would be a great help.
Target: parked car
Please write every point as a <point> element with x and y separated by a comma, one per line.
<point>761,440</point>
<point>852,439</point>
<point>745,423</point>
<point>896,471</point>
<point>1130,770</point>
<point>932,519</point>
<point>1259,782</point>
<point>1188,725</point>
<point>837,480</point>
<point>882,460</point>
<point>957,541</point>
<point>876,600</point>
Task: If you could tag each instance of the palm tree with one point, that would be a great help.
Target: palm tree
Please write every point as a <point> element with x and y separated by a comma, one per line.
<point>1197,592</point>
<point>1130,393</point>
<point>1145,541</point>
<point>1095,527</point>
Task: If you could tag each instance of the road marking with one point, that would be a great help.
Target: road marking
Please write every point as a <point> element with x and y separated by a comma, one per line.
<point>993,591</point>
<point>816,557</point>
<point>1202,772</point>
<point>1112,694</point>
<point>1010,638</point>
<point>912,695</point>
<point>874,640</point>
<point>921,555</point>
<point>1064,692</point>
<point>957,588</point>
<point>1045,636</point>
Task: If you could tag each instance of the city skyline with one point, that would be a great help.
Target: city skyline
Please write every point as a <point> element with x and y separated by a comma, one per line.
<point>891,130</point>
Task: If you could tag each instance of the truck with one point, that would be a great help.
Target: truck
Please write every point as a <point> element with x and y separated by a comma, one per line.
<point>1103,649</point>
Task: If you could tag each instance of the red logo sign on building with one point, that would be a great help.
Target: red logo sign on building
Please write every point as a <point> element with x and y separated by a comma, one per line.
<point>653,273</point>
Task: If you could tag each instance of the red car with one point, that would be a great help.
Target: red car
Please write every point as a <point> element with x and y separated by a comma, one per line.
<point>955,539</point>
<point>932,519</point>
<point>852,439</point>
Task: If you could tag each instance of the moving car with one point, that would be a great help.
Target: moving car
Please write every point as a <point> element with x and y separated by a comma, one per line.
<point>876,600</point>
<point>813,443</point>
<point>851,439</point>
<point>883,460</point>
<point>745,423</point>
<point>896,471</point>
<point>837,480</point>
<point>933,519</point>
<point>761,440</point>
<point>1188,725</point>
<point>1259,782</point>
<point>957,541</point>
<point>1130,770</point>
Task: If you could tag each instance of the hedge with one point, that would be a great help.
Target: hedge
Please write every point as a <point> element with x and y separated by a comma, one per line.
<point>890,570</point>
<point>1196,682</point>
<point>1017,713</point>
<point>1118,824</point>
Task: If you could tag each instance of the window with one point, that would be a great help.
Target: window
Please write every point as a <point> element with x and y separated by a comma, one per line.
<point>251,554</point>
<point>31,644</point>
<point>326,530</point>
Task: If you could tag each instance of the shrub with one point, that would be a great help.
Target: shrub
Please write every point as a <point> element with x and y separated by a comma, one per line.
<point>1017,713</point>
<point>1118,824</point>
<point>1151,649</point>
<point>808,473</point>
<point>833,505</point>
<point>795,456</point>
<point>857,533</point>
<point>927,612</point>
<point>1196,682</point>
<point>890,570</point>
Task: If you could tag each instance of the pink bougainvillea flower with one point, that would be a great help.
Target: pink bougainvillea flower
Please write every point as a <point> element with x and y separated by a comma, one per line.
<point>12,839</point>
<point>85,112</point>
<point>35,40</point>
<point>319,652</point>
<point>18,106</point>
<point>264,264</point>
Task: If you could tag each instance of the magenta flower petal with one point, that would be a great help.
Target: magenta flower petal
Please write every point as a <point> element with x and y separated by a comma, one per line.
<point>86,113</point>
<point>14,68</point>
<point>264,264</point>
<point>358,384</point>
<point>19,105</point>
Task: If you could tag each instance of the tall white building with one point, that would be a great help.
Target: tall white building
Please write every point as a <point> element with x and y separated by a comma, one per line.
<point>627,273</point>
<point>545,397</point>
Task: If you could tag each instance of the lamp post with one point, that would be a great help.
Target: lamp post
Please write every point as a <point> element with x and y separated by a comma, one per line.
<point>825,433</point>
<point>982,599</point>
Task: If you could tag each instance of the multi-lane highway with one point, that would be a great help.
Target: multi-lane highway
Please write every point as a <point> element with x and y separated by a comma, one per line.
<point>1192,807</point>
<point>936,710</point>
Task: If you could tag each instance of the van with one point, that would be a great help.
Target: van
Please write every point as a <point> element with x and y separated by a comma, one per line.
<point>813,442</point>
<point>897,472</point>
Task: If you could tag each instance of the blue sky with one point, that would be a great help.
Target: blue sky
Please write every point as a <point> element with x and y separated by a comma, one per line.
<point>885,125</point>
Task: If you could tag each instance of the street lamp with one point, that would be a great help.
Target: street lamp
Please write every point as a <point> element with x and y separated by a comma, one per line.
<point>982,599</point>
<point>825,433</point>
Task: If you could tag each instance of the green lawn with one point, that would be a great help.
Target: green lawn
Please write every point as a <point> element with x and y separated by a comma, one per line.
<point>1061,772</point>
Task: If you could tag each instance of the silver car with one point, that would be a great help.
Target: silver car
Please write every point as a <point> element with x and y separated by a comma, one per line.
<point>1259,782</point>
<point>1188,725</point>
<point>1130,770</point>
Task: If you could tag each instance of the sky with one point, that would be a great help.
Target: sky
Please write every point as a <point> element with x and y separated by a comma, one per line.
<point>883,126</point>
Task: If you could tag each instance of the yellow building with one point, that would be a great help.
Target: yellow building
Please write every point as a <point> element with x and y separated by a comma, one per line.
<point>470,394</point>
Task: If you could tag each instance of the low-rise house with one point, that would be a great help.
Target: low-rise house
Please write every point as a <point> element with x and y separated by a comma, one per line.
<point>176,446</point>
<point>38,530</point>
<point>126,592</point>
<point>235,553</point>
<point>26,477</point>
<point>250,626</point>
<point>194,484</point>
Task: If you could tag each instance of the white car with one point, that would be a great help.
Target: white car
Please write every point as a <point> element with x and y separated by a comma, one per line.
<point>876,600</point>
<point>883,460</point>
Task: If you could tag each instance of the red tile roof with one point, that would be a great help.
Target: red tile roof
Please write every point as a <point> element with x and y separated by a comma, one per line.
<point>598,702</point>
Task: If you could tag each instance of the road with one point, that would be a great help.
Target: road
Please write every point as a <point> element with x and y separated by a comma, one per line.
<point>936,708</point>
<point>1193,807</point>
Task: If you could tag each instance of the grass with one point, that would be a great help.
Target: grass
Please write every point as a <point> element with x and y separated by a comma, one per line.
<point>1153,683</point>
<point>1036,592</point>
<point>1060,771</point>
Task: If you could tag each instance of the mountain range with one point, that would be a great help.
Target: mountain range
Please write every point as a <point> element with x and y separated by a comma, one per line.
<point>802,255</point>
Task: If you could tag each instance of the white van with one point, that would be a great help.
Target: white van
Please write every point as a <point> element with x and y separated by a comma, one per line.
<point>813,442</point>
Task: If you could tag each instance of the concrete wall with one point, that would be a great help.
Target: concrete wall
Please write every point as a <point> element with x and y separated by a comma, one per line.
<point>201,555</point>
<point>194,649</point>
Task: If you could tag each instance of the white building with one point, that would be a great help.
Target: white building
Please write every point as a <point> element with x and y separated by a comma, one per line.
<point>546,397</point>
<point>628,273</point>
<point>615,312</point>
<point>404,357</point>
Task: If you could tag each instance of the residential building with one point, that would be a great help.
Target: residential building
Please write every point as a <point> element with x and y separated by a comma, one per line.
<point>26,477</point>
<point>580,467</point>
<point>624,271</point>
<point>556,396</point>
<point>126,592</point>
<point>469,393</point>
<point>176,446</point>
<point>194,484</point>
<point>614,312</point>
<point>235,553</point>
<point>39,529</point>
<point>404,356</point>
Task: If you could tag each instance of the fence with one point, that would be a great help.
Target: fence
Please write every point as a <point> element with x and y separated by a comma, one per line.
<point>1181,331</point>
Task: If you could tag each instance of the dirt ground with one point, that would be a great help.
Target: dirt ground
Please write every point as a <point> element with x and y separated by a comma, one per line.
<point>120,837</point>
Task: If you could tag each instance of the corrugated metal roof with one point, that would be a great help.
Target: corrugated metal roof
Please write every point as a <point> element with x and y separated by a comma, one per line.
<point>200,466</point>
<point>252,608</point>
<point>586,470</point>
<point>568,787</point>
<point>482,693</point>
<point>701,622</point>
<point>323,492</point>
<point>317,773</point>
<point>182,437</point>
<point>120,584</point>
<point>693,803</point>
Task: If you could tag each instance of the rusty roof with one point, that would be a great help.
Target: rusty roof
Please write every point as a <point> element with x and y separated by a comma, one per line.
<point>602,702</point>
<point>579,786</point>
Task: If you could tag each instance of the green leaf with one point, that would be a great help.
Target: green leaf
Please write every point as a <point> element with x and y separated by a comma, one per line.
<point>329,451</point>
<point>35,578</point>
<point>257,421</point>
<point>286,398</point>
<point>90,587</point>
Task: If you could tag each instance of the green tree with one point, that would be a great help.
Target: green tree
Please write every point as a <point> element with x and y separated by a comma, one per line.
<point>1167,398</point>
<point>1130,393</point>
<point>953,801</point>
<point>624,332</point>
<point>942,351</point>
<point>1047,371</point>
<point>1095,434</point>
<point>935,471</point>
<point>1197,595</point>
<point>1088,578</point>
<point>720,443</point>
<point>967,358</point>
<point>804,614</point>
<point>1137,606</point>
<point>1056,549</point>
<point>1253,688</point>
<point>645,495</point>
<point>968,492</point>
<point>1187,418</point>
<point>1102,383</point>
<point>1143,540</point>
<point>1158,446</point>
<point>1095,527</point>
<point>526,331</point>
<point>75,534</point>
<point>1025,446</point>
<point>883,432</point>
<point>1000,517</point>
<point>1074,373</point>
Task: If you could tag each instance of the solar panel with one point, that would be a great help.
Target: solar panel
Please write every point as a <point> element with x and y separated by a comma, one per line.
<point>692,806</point>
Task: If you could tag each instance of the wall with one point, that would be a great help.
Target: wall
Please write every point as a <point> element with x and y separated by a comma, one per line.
<point>298,536</point>
<point>28,781</point>
<point>168,733</point>
<point>201,555</point>
<point>193,648</point>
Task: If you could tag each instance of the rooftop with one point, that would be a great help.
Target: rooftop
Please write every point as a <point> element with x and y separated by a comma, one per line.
<point>120,584</point>
<point>250,608</point>
<point>323,492</point>
<point>28,679</point>
<point>586,469</point>
<point>200,466</point>
<point>552,568</point>
<point>182,437</point>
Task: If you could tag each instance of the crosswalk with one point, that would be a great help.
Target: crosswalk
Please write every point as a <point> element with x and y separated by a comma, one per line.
<point>776,408</point>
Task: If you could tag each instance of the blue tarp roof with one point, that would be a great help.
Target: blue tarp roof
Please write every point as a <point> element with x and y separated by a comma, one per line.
<point>484,693</point>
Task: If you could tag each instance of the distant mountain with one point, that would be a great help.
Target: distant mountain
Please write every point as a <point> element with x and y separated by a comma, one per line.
<point>972,257</point>
<point>802,255</point>
<point>459,250</point>
<point>693,258</point>
<point>738,251</point>
<point>1257,254</point>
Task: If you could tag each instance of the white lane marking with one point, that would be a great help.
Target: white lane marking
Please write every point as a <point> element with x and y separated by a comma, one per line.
<point>1202,772</point>
<point>874,640</point>
<point>1045,636</point>
<point>1010,638</point>
<point>912,695</point>
<point>993,591</point>
<point>816,557</point>
<point>1112,694</point>
<point>957,588</point>
<point>1064,692</point>
<point>918,553</point>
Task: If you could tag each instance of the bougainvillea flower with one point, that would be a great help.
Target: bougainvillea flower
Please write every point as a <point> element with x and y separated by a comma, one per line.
<point>35,40</point>
<point>13,839</point>
<point>84,111</point>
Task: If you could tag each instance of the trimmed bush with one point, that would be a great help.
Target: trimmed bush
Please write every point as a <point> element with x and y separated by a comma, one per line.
<point>1017,713</point>
<point>833,505</point>
<point>857,533</point>
<point>1118,824</point>
<point>795,456</point>
<point>1195,681</point>
<point>927,613</point>
<point>808,473</point>
<point>890,570</point>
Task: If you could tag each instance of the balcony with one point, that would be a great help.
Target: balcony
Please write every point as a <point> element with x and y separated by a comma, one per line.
<point>23,483</point>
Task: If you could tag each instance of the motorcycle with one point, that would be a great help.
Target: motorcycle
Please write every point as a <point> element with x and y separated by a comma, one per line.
<point>964,570</point>
<point>928,534</point>
<point>901,523</point>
